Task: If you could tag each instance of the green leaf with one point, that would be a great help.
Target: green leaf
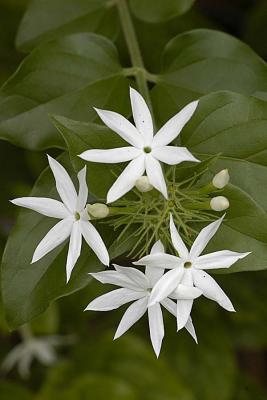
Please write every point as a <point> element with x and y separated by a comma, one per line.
<point>234,127</point>
<point>50,19</point>
<point>67,76</point>
<point>28,289</point>
<point>12,390</point>
<point>201,61</point>
<point>159,10</point>
<point>81,136</point>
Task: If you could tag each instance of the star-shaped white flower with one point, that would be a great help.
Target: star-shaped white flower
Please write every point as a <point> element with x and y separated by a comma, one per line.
<point>187,270</point>
<point>136,286</point>
<point>146,150</point>
<point>74,218</point>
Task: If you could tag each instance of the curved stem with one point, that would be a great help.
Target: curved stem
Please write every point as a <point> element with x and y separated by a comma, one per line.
<point>134,50</point>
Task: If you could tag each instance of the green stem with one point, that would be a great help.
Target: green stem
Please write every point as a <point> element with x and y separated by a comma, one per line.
<point>134,50</point>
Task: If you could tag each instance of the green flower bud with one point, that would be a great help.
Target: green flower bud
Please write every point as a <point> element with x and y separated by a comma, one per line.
<point>98,210</point>
<point>219,203</point>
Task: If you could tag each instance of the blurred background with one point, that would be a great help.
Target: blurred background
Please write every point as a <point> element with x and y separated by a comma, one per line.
<point>77,357</point>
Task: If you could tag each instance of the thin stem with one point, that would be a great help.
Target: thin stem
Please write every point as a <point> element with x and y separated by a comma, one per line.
<point>134,49</point>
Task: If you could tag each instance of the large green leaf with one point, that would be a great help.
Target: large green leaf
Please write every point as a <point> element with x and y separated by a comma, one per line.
<point>50,19</point>
<point>202,61</point>
<point>159,10</point>
<point>67,76</point>
<point>28,289</point>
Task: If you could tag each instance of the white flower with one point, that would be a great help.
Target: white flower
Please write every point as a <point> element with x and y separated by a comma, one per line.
<point>74,218</point>
<point>187,270</point>
<point>146,150</point>
<point>136,286</point>
<point>41,349</point>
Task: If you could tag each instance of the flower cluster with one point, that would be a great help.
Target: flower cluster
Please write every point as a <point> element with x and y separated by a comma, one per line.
<point>171,281</point>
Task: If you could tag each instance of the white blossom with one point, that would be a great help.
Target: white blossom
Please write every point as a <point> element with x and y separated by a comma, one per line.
<point>74,218</point>
<point>136,286</point>
<point>187,269</point>
<point>146,150</point>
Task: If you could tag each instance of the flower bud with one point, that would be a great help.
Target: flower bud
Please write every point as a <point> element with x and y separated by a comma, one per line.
<point>98,210</point>
<point>143,184</point>
<point>219,203</point>
<point>221,179</point>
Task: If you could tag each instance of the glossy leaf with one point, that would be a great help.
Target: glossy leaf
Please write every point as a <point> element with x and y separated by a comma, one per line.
<point>50,19</point>
<point>67,76</point>
<point>159,10</point>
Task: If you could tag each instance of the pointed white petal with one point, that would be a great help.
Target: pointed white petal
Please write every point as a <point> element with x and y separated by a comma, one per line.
<point>160,260</point>
<point>204,237</point>
<point>121,126</point>
<point>131,316</point>
<point>94,241</point>
<point>184,308</point>
<point>118,155</point>
<point>136,276</point>
<point>127,179</point>
<point>211,289</point>
<point>173,127</point>
<point>166,285</point>
<point>60,232</point>
<point>155,175</point>
<point>114,299</point>
<point>170,306</point>
<point>64,184</point>
<point>142,116</point>
<point>156,327</point>
<point>74,248</point>
<point>185,292</point>
<point>190,328</point>
<point>49,207</point>
<point>173,155</point>
<point>114,278</point>
<point>177,241</point>
<point>83,190</point>
<point>154,274</point>
<point>218,259</point>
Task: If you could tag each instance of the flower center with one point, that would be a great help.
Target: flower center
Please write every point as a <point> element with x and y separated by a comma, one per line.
<point>147,149</point>
<point>187,264</point>
<point>77,216</point>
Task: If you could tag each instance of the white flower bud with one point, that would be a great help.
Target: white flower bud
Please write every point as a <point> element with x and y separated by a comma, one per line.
<point>98,210</point>
<point>221,179</point>
<point>219,203</point>
<point>143,184</point>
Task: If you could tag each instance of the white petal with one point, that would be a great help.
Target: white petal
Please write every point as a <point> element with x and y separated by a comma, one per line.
<point>142,116</point>
<point>114,278</point>
<point>114,299</point>
<point>160,260</point>
<point>136,276</point>
<point>190,328</point>
<point>177,241</point>
<point>64,184</point>
<point>211,289</point>
<point>173,127</point>
<point>173,155</point>
<point>218,259</point>
<point>155,175</point>
<point>204,237</point>
<point>131,316</point>
<point>95,241</point>
<point>154,274</point>
<point>49,207</point>
<point>156,327</point>
<point>121,126</point>
<point>166,285</point>
<point>184,308</point>
<point>74,248</point>
<point>127,179</point>
<point>118,155</point>
<point>185,292</point>
<point>83,190</point>
<point>60,232</point>
<point>170,305</point>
